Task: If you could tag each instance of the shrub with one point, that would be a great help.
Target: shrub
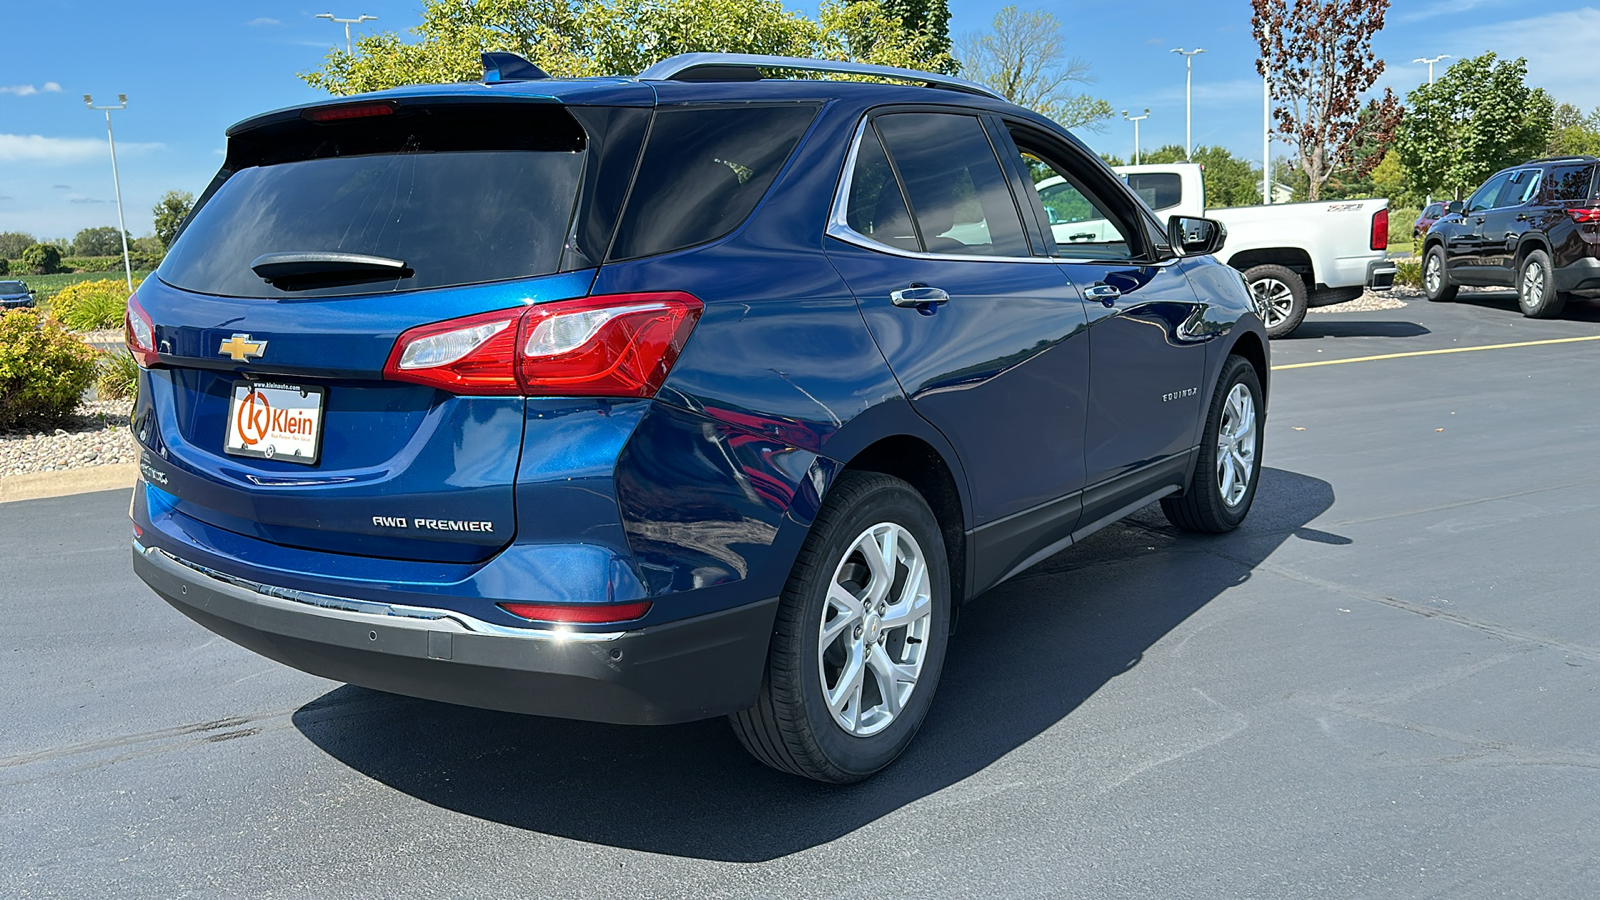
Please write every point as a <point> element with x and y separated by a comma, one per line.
<point>119,376</point>
<point>1401,222</point>
<point>89,305</point>
<point>1408,273</point>
<point>102,241</point>
<point>44,370</point>
<point>5,266</point>
<point>92,263</point>
<point>41,259</point>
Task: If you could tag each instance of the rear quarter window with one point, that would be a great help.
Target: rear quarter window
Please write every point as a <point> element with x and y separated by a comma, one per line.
<point>703,171</point>
<point>1570,182</point>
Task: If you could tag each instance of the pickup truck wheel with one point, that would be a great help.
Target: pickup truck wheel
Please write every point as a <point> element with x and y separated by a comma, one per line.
<point>1280,294</point>
<point>1224,482</point>
<point>860,636</point>
<point>1436,284</point>
<point>1536,287</point>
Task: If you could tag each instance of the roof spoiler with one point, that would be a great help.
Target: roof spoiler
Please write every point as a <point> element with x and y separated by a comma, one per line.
<point>499,66</point>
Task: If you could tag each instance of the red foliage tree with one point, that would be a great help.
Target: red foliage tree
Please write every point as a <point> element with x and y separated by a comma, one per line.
<point>1319,56</point>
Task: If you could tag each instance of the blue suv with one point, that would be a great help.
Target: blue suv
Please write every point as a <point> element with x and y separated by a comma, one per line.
<point>657,398</point>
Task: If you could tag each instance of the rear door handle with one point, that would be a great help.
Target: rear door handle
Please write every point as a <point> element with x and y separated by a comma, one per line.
<point>919,295</point>
<point>1103,292</point>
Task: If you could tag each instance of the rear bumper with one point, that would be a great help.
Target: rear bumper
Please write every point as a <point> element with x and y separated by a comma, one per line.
<point>1380,275</point>
<point>681,671</point>
<point>1582,274</point>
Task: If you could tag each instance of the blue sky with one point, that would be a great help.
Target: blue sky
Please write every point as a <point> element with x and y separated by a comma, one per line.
<point>192,68</point>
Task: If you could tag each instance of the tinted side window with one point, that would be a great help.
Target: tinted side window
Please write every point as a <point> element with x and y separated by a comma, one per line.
<point>704,169</point>
<point>1159,190</point>
<point>1484,197</point>
<point>877,208</point>
<point>1521,188</point>
<point>958,192</point>
<point>1570,182</point>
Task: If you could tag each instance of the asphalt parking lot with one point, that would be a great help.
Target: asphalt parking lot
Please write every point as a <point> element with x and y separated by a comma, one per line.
<point>1386,684</point>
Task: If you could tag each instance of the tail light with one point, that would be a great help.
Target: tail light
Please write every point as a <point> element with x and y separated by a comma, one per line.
<point>140,333</point>
<point>618,345</point>
<point>348,111</point>
<point>573,614</point>
<point>1585,214</point>
<point>1380,230</point>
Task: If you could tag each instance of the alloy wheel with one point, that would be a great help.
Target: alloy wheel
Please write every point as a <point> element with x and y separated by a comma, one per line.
<point>1432,277</point>
<point>1236,445</point>
<point>1275,299</point>
<point>1532,285</point>
<point>874,631</point>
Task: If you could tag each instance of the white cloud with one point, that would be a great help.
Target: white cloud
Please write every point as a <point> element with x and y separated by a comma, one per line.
<point>1550,42</point>
<point>36,148</point>
<point>262,20</point>
<point>28,90</point>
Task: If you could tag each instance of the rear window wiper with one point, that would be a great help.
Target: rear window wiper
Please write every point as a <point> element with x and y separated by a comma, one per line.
<point>303,269</point>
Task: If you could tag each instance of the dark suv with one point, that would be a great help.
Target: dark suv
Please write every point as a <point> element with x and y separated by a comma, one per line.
<point>657,398</point>
<point>1534,227</point>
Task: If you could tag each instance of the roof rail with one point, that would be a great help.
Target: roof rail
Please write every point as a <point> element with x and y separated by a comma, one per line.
<point>1580,157</point>
<point>724,66</point>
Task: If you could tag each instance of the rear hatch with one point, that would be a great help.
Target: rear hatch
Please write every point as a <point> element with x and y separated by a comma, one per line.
<point>328,234</point>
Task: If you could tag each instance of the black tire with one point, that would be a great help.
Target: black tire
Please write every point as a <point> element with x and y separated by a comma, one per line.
<point>1202,507</point>
<point>1536,287</point>
<point>1441,291</point>
<point>1267,284</point>
<point>791,727</point>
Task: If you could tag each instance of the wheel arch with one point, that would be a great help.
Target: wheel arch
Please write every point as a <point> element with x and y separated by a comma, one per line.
<point>1294,259</point>
<point>920,464</point>
<point>1532,241</point>
<point>1249,345</point>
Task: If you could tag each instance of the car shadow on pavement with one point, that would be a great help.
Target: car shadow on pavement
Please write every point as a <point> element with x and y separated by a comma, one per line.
<point>1026,655</point>
<point>1322,327</point>
<point>1578,309</point>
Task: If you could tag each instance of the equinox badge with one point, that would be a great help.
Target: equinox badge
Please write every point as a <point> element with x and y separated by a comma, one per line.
<point>241,348</point>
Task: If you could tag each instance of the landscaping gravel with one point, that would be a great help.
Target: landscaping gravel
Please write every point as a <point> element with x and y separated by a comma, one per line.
<point>99,436</point>
<point>1372,300</point>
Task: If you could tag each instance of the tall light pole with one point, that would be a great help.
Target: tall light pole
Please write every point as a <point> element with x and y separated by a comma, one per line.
<point>1136,120</point>
<point>347,23</point>
<point>1266,136</point>
<point>116,182</point>
<point>1428,200</point>
<point>1188,100</point>
<point>1430,63</point>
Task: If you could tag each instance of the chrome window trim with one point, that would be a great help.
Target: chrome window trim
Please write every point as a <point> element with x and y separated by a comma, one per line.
<point>839,221</point>
<point>416,618</point>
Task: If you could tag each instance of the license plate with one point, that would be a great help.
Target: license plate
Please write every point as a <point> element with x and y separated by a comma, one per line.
<point>275,421</point>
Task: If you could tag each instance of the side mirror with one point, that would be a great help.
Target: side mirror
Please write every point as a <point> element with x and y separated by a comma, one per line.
<point>1193,236</point>
<point>1453,208</point>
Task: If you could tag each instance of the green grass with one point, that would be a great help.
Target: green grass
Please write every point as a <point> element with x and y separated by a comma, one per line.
<point>46,285</point>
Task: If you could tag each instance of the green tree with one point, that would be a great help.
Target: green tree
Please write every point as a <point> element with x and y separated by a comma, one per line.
<point>5,266</point>
<point>169,213</point>
<point>929,18</point>
<point>1023,57</point>
<point>1572,133</point>
<point>41,259</point>
<point>578,38</point>
<point>102,241</point>
<point>1480,117</point>
<point>1390,179</point>
<point>12,243</point>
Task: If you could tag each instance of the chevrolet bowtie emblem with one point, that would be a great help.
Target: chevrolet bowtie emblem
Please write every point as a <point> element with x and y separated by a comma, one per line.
<point>241,348</point>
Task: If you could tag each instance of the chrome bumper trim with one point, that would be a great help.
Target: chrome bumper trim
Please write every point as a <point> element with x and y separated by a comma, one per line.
<point>418,618</point>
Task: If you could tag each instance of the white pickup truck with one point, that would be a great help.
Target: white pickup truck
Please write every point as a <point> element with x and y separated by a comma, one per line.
<point>1293,255</point>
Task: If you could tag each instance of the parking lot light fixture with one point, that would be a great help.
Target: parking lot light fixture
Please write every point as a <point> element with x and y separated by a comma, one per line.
<point>1188,101</point>
<point>348,47</point>
<point>116,182</point>
<point>1136,120</point>
<point>1430,63</point>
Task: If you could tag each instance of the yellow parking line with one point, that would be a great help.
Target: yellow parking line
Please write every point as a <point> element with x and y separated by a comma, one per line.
<point>1335,362</point>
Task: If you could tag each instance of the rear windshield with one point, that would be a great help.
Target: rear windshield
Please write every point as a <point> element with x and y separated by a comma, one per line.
<point>703,171</point>
<point>1158,190</point>
<point>462,194</point>
<point>1570,182</point>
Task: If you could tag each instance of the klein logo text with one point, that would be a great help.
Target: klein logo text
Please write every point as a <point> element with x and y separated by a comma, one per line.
<point>1179,395</point>
<point>257,419</point>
